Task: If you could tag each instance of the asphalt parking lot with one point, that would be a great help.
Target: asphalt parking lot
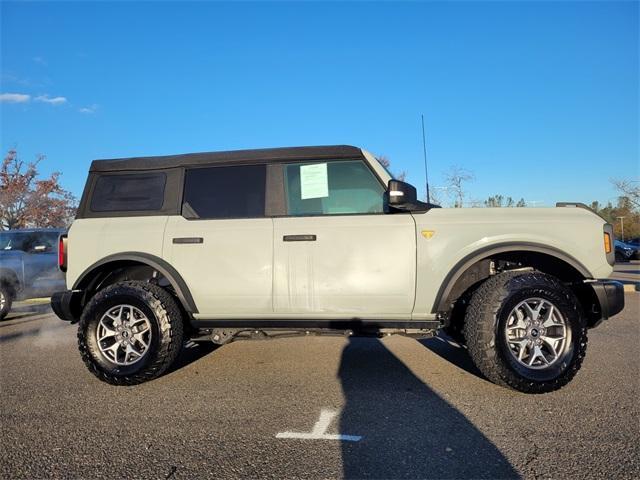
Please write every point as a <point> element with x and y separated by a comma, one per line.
<point>628,273</point>
<point>420,408</point>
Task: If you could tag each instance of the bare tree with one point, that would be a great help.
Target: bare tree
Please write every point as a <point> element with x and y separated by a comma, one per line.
<point>386,163</point>
<point>435,197</point>
<point>26,201</point>
<point>455,179</point>
<point>629,189</point>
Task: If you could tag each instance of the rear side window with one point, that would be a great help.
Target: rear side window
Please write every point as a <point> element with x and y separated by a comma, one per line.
<point>225,192</point>
<point>14,241</point>
<point>129,193</point>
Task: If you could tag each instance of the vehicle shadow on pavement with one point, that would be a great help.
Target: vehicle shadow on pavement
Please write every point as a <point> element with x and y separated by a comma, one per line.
<point>450,351</point>
<point>408,430</point>
<point>192,352</point>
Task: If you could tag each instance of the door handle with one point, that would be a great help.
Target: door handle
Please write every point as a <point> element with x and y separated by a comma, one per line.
<point>299,238</point>
<point>188,240</point>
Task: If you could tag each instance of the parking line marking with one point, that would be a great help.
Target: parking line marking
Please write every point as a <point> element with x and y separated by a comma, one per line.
<point>319,431</point>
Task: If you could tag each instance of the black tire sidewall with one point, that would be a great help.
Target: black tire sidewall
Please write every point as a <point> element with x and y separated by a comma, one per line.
<point>90,324</point>
<point>569,310</point>
<point>8,300</point>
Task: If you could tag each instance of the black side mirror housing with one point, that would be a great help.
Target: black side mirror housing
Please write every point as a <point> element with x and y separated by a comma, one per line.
<point>402,196</point>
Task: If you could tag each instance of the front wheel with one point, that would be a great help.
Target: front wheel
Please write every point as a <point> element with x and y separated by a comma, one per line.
<point>6,299</point>
<point>525,330</point>
<point>130,332</point>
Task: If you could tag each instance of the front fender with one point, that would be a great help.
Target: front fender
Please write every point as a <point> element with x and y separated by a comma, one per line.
<point>458,238</point>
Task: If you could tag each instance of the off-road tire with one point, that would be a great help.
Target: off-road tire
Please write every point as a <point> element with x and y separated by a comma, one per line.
<point>488,310</point>
<point>7,293</point>
<point>166,320</point>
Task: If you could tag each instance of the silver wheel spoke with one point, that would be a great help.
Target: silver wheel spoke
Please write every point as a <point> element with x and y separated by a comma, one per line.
<point>106,332</point>
<point>522,348</point>
<point>529,311</point>
<point>537,353</point>
<point>548,320</point>
<point>139,337</point>
<point>129,350</point>
<point>519,325</point>
<point>552,342</point>
<point>124,335</point>
<point>113,350</point>
<point>536,333</point>
<point>532,313</point>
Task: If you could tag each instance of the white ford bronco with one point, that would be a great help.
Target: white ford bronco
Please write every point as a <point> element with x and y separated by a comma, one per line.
<point>318,239</point>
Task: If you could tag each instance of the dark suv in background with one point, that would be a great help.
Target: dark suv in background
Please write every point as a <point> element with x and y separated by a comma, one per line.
<point>28,265</point>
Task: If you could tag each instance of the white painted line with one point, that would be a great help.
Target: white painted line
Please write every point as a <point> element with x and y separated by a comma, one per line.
<point>319,431</point>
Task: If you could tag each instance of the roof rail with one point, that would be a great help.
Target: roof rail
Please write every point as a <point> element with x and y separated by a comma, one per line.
<point>576,205</point>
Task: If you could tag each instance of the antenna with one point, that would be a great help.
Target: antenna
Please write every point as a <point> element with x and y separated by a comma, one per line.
<point>426,169</point>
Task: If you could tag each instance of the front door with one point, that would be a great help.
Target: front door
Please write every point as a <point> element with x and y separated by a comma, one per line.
<point>336,253</point>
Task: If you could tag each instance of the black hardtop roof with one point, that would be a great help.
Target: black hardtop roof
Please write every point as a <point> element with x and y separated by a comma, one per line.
<point>234,156</point>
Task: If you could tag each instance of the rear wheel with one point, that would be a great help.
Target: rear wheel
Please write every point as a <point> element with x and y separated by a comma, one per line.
<point>525,330</point>
<point>130,332</point>
<point>6,299</point>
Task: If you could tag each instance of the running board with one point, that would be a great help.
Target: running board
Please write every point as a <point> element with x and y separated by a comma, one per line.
<point>341,324</point>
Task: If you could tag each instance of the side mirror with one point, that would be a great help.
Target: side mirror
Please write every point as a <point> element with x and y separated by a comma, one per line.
<point>403,197</point>
<point>401,194</point>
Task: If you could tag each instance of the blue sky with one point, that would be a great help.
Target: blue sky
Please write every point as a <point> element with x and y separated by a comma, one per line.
<point>540,100</point>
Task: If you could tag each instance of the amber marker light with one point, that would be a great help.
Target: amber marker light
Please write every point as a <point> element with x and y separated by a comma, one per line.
<point>607,242</point>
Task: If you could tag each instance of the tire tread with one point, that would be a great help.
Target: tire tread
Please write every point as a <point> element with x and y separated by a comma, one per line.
<point>168,315</point>
<point>480,325</point>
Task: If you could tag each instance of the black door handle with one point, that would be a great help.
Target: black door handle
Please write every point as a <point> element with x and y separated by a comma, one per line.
<point>188,240</point>
<point>299,238</point>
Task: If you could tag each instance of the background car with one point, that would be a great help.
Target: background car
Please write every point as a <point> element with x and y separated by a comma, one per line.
<point>625,252</point>
<point>634,243</point>
<point>28,265</point>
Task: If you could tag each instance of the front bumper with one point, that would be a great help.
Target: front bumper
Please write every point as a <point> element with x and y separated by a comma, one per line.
<point>610,294</point>
<point>67,305</point>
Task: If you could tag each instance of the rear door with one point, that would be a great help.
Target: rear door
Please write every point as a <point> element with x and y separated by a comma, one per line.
<point>336,253</point>
<point>42,275</point>
<point>222,244</point>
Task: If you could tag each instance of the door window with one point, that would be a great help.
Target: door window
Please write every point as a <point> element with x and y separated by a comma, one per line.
<point>44,242</point>
<point>332,188</point>
<point>16,241</point>
<point>225,192</point>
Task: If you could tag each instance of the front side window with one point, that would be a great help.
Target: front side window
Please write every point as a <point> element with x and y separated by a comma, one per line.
<point>129,192</point>
<point>332,188</point>
<point>225,192</point>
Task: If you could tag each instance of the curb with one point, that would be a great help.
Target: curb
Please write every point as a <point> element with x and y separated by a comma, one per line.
<point>34,301</point>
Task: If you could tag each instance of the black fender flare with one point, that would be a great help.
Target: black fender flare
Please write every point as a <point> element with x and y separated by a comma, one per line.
<point>162,266</point>
<point>10,278</point>
<point>441,301</point>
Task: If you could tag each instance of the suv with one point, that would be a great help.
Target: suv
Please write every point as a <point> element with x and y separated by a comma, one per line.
<point>217,245</point>
<point>28,265</point>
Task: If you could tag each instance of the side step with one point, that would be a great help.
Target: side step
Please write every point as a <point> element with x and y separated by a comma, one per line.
<point>354,324</point>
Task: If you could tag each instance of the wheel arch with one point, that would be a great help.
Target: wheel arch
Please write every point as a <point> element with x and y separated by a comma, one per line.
<point>9,278</point>
<point>475,267</point>
<point>89,278</point>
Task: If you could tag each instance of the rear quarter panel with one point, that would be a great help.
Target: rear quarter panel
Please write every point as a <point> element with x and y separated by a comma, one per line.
<point>92,239</point>
<point>458,233</point>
